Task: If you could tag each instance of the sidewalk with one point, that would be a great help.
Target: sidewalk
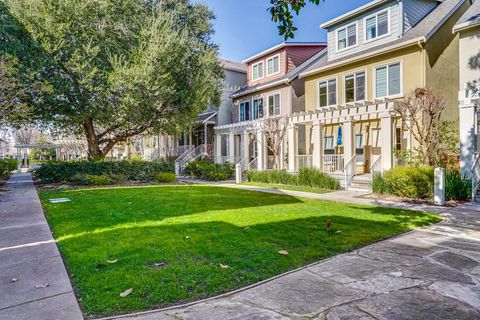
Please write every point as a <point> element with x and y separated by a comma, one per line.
<point>29,254</point>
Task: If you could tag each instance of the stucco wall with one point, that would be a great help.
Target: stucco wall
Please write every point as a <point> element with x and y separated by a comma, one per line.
<point>469,56</point>
<point>233,81</point>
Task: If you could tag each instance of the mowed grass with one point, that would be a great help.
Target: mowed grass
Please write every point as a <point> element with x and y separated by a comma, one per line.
<point>287,187</point>
<point>194,229</point>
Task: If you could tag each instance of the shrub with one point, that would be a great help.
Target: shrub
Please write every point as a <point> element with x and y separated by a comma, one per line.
<point>211,171</point>
<point>457,187</point>
<point>165,177</point>
<point>131,170</point>
<point>379,184</point>
<point>274,176</point>
<point>91,180</point>
<point>316,178</point>
<point>6,167</point>
<point>415,182</point>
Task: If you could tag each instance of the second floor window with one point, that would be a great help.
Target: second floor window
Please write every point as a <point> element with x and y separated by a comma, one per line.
<point>244,111</point>
<point>274,105</point>
<point>327,93</point>
<point>347,37</point>
<point>273,65</point>
<point>257,71</point>
<point>388,80</point>
<point>355,87</point>
<point>257,109</point>
<point>376,26</point>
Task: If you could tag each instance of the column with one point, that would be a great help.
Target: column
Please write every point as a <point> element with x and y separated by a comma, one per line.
<point>317,145</point>
<point>282,155</point>
<point>246,147</point>
<point>348,140</point>
<point>205,137</point>
<point>467,138</point>
<point>292,148</point>
<point>231,147</point>
<point>386,125</point>
<point>218,148</point>
<point>260,150</point>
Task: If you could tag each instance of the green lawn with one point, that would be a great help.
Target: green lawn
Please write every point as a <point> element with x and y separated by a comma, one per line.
<point>287,187</point>
<point>194,229</point>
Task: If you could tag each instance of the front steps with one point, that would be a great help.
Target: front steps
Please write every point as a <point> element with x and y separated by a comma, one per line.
<point>361,182</point>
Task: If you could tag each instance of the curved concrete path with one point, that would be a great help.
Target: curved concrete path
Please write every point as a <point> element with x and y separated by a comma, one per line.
<point>28,253</point>
<point>430,273</point>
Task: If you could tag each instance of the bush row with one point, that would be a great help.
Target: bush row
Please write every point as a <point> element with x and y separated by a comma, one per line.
<point>211,171</point>
<point>416,182</point>
<point>6,168</point>
<point>306,177</point>
<point>116,171</point>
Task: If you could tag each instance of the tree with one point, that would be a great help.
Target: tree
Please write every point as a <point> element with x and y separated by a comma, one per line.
<point>421,111</point>
<point>112,70</point>
<point>282,13</point>
<point>275,129</point>
<point>26,135</point>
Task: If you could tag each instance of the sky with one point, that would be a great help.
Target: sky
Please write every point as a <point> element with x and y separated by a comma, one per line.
<point>244,27</point>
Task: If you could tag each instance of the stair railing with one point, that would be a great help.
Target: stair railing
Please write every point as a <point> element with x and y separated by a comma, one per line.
<point>350,169</point>
<point>375,168</point>
<point>475,177</point>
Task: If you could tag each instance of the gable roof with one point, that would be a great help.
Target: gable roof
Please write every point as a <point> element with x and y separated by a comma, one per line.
<point>470,18</point>
<point>420,33</point>
<point>281,46</point>
<point>286,79</point>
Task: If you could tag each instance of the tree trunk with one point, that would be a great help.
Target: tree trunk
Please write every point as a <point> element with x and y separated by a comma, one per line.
<point>426,155</point>
<point>93,147</point>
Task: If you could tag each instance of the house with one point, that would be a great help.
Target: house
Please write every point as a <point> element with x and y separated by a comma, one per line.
<point>468,31</point>
<point>273,91</point>
<point>377,54</point>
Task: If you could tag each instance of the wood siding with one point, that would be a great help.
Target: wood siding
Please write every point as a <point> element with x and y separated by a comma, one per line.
<point>298,55</point>
<point>283,68</point>
<point>414,11</point>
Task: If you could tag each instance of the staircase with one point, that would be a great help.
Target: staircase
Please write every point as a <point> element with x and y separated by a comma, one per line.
<point>361,183</point>
<point>203,150</point>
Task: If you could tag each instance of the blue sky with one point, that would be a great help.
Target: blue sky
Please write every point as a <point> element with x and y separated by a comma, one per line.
<point>244,28</point>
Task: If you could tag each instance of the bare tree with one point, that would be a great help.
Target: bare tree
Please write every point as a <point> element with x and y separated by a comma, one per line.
<point>275,129</point>
<point>421,111</point>
<point>26,135</point>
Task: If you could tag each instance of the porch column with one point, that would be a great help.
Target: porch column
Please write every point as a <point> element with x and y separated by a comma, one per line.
<point>292,148</point>
<point>260,150</point>
<point>218,148</point>
<point>317,145</point>
<point>387,141</point>
<point>246,149</point>
<point>348,140</point>
<point>205,132</point>
<point>282,155</point>
<point>467,138</point>
<point>231,147</point>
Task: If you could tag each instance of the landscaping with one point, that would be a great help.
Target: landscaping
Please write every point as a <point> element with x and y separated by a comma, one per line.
<point>211,171</point>
<point>6,168</point>
<point>287,187</point>
<point>180,243</point>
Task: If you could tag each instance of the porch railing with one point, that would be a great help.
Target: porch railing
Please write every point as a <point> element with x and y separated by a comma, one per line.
<point>222,159</point>
<point>350,170</point>
<point>333,163</point>
<point>184,149</point>
<point>187,157</point>
<point>304,161</point>
<point>475,177</point>
<point>375,168</point>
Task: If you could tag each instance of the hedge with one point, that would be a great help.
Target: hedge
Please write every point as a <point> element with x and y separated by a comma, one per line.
<point>6,168</point>
<point>211,171</point>
<point>306,177</point>
<point>131,170</point>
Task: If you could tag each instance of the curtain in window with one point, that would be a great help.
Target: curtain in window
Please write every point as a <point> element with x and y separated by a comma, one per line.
<point>342,39</point>
<point>382,23</point>
<point>352,35</point>
<point>381,82</point>
<point>371,28</point>
<point>394,79</point>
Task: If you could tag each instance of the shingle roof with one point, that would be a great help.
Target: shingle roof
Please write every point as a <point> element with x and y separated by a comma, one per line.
<point>470,18</point>
<point>206,116</point>
<point>422,31</point>
<point>234,66</point>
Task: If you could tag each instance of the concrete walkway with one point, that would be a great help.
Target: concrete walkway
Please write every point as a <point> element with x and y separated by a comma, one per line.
<point>431,273</point>
<point>33,281</point>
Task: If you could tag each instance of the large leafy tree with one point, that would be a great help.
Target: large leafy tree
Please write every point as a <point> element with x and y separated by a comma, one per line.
<point>282,12</point>
<point>112,69</point>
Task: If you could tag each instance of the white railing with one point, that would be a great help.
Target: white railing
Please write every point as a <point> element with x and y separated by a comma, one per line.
<point>333,163</point>
<point>350,170</point>
<point>222,159</point>
<point>184,149</point>
<point>375,168</point>
<point>475,177</point>
<point>252,165</point>
<point>200,151</point>
<point>304,161</point>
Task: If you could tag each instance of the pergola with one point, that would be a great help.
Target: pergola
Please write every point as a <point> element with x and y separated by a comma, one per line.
<point>23,148</point>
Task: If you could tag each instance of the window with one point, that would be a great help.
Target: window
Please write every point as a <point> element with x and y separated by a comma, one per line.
<point>245,111</point>
<point>328,143</point>
<point>327,93</point>
<point>347,37</point>
<point>359,148</point>
<point>398,139</point>
<point>257,71</point>
<point>355,87</point>
<point>388,80</point>
<point>377,26</point>
<point>273,65</point>
<point>257,109</point>
<point>274,105</point>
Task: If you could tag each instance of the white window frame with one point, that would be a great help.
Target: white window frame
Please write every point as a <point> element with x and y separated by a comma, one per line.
<point>389,32</point>
<point>273,94</point>
<point>347,47</point>
<point>325,142</point>
<point>336,92</point>
<point>401,94</point>
<point>240,110</point>
<point>263,106</point>
<point>354,74</point>
<point>361,147</point>
<point>263,70</point>
<point>266,64</point>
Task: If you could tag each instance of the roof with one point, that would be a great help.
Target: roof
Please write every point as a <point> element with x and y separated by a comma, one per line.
<point>281,46</point>
<point>471,18</point>
<point>420,33</point>
<point>290,76</point>
<point>233,66</point>
<point>206,116</point>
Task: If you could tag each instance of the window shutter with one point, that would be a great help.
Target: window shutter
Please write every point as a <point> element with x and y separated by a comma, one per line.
<point>381,82</point>
<point>394,79</point>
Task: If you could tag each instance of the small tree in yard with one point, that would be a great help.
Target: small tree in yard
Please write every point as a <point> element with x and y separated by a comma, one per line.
<point>421,112</point>
<point>275,129</point>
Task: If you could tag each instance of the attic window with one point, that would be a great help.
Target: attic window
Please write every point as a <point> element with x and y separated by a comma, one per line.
<point>347,36</point>
<point>273,65</point>
<point>257,71</point>
<point>377,25</point>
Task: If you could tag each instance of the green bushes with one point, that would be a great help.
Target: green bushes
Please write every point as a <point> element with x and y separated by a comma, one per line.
<point>379,184</point>
<point>6,167</point>
<point>211,171</point>
<point>165,177</point>
<point>91,180</point>
<point>414,182</point>
<point>306,177</point>
<point>457,187</point>
<point>53,172</point>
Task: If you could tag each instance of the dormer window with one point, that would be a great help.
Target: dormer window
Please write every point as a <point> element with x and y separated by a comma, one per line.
<point>257,71</point>
<point>273,65</point>
<point>377,25</point>
<point>347,36</point>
